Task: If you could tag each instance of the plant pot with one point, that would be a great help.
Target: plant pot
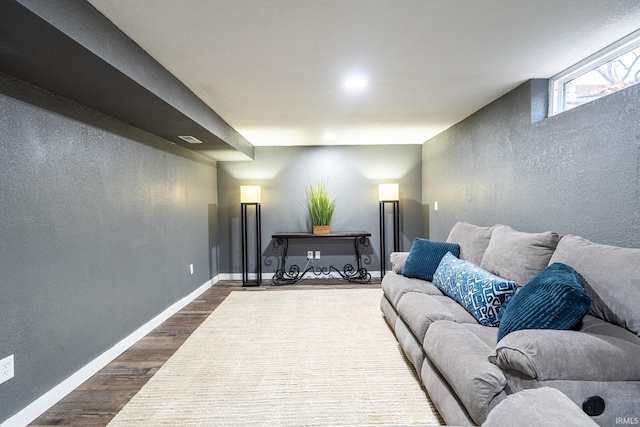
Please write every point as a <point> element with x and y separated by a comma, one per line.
<point>321,229</point>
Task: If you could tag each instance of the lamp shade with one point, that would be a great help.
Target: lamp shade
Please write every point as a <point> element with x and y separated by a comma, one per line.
<point>249,194</point>
<point>388,192</point>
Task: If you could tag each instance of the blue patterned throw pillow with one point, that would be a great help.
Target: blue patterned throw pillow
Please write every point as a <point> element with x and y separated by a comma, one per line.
<point>481,293</point>
<point>554,299</point>
<point>424,257</point>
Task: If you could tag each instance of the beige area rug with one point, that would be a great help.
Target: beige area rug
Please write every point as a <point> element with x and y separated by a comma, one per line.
<point>286,358</point>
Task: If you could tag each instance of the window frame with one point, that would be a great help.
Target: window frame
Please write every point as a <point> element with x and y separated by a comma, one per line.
<point>557,82</point>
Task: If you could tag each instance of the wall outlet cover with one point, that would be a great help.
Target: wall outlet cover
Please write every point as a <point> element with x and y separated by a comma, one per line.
<point>6,369</point>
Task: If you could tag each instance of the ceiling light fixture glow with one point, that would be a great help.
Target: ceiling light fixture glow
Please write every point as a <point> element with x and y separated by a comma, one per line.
<point>355,83</point>
<point>329,136</point>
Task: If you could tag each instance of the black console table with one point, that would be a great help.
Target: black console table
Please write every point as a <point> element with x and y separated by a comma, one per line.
<point>356,275</point>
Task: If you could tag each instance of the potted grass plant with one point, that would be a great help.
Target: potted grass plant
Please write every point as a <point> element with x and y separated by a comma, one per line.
<point>321,205</point>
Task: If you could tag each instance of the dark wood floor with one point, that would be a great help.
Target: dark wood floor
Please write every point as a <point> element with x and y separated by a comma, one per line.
<point>102,396</point>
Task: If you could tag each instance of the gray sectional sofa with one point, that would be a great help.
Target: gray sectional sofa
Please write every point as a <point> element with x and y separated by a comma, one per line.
<point>467,371</point>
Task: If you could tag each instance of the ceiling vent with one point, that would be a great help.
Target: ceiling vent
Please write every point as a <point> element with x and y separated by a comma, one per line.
<point>190,139</point>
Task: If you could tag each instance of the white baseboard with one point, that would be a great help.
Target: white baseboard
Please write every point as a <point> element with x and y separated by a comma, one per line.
<point>53,396</point>
<point>238,276</point>
<point>230,276</point>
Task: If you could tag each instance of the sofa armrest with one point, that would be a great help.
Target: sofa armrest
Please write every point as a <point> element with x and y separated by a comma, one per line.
<point>567,355</point>
<point>398,259</point>
<point>538,407</point>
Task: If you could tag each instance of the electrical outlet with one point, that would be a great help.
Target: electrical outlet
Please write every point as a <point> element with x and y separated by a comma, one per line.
<point>309,254</point>
<point>191,268</point>
<point>6,369</point>
<point>317,254</point>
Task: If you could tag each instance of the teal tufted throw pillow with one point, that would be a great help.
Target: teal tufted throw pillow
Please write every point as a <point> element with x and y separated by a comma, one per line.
<point>481,293</point>
<point>554,299</point>
<point>424,257</point>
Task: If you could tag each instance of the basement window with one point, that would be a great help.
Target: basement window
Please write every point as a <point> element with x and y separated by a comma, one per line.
<point>610,70</point>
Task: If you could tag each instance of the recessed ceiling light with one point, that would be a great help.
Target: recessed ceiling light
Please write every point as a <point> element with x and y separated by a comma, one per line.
<point>329,136</point>
<point>190,139</point>
<point>355,83</point>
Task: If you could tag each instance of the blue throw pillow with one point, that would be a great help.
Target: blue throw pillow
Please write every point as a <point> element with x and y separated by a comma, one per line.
<point>481,293</point>
<point>554,299</point>
<point>424,257</point>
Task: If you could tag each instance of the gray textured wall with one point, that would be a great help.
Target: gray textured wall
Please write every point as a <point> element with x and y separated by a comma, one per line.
<point>351,172</point>
<point>577,172</point>
<point>99,224</point>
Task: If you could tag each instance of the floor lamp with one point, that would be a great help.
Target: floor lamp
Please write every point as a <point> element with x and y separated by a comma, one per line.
<point>388,194</point>
<point>250,196</point>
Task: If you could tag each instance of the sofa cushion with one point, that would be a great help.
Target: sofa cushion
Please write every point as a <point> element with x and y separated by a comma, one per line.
<point>461,358</point>
<point>548,354</point>
<point>411,347</point>
<point>389,311</point>
<point>516,255</point>
<point>397,261</point>
<point>424,257</point>
<point>612,278</point>
<point>395,286</point>
<point>481,293</point>
<point>592,325</point>
<point>554,299</point>
<point>459,313</point>
<point>473,240</point>
<point>419,311</point>
<point>450,408</point>
<point>489,336</point>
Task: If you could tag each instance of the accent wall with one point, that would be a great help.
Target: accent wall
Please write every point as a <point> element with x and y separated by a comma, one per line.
<point>352,174</point>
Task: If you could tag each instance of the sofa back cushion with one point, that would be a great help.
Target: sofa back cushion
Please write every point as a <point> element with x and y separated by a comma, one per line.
<point>473,240</point>
<point>518,256</point>
<point>612,278</point>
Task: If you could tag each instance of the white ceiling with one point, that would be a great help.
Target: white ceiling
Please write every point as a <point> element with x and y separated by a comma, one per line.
<point>273,69</point>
